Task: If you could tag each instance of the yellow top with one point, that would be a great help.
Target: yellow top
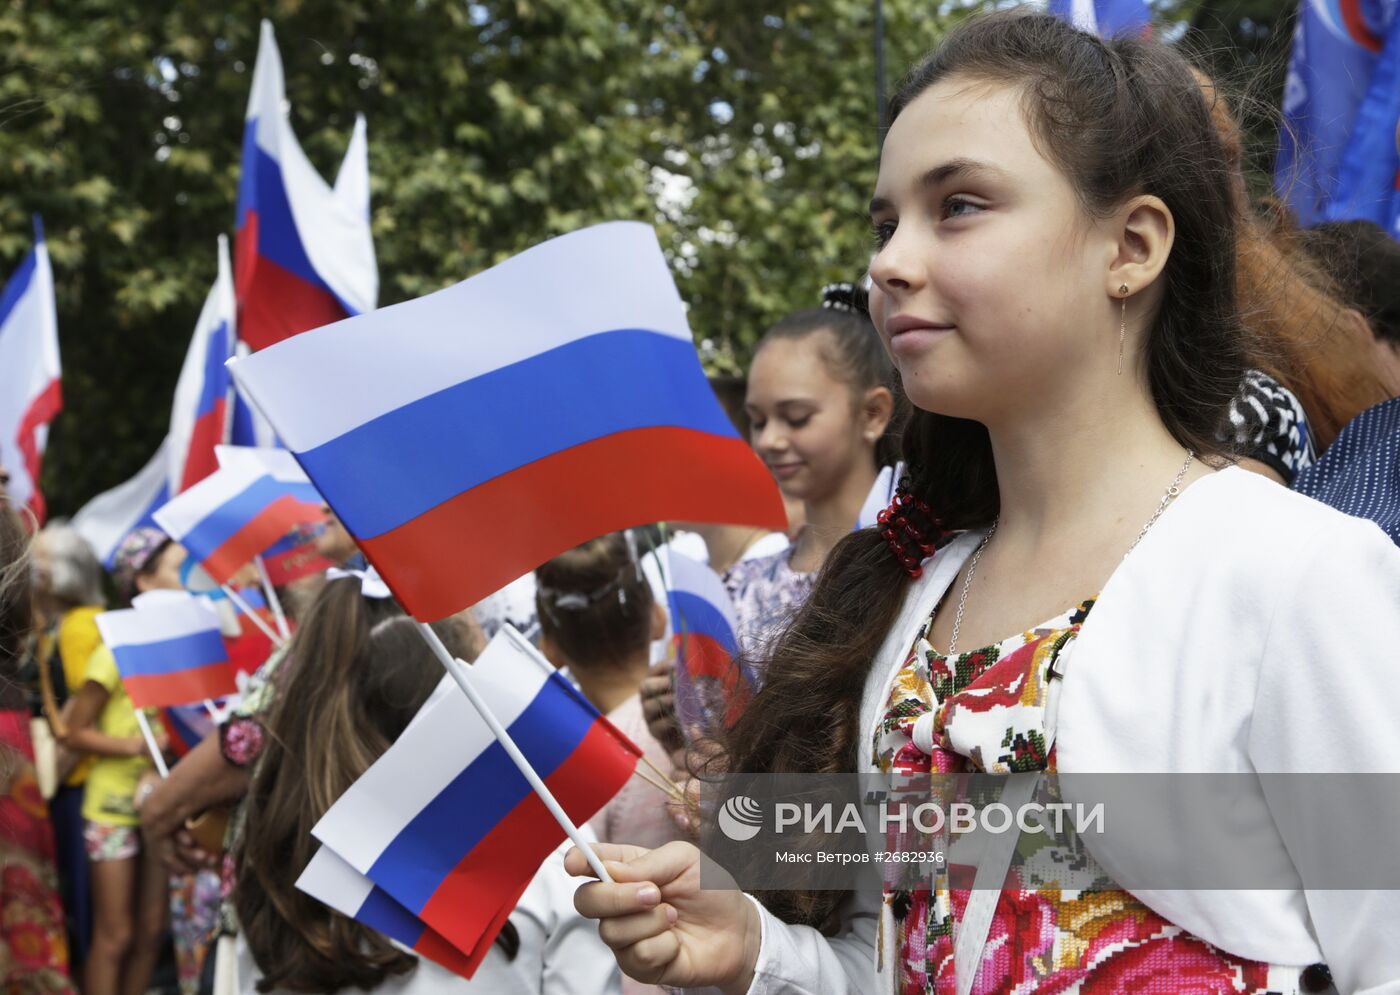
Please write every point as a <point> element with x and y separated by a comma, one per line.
<point>77,638</point>
<point>111,783</point>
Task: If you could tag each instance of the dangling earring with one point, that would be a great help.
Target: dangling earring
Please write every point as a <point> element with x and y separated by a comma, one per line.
<point>1122,324</point>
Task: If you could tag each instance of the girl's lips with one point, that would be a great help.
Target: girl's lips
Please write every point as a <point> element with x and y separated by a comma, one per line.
<point>784,470</point>
<point>915,340</point>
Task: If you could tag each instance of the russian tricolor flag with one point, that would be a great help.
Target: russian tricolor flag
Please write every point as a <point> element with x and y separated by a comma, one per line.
<point>331,880</point>
<point>712,689</point>
<point>233,515</point>
<point>444,821</point>
<point>199,417</point>
<point>305,255</point>
<point>468,436</point>
<point>30,396</point>
<point>169,652</point>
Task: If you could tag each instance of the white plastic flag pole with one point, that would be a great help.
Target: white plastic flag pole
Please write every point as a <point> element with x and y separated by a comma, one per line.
<point>272,598</point>
<point>151,743</point>
<point>252,616</point>
<point>459,674</point>
<point>212,709</point>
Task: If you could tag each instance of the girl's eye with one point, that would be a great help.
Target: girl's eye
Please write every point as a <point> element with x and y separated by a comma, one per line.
<point>799,422</point>
<point>955,207</point>
<point>881,232</point>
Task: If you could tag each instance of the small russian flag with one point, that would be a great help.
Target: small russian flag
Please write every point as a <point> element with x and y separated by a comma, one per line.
<point>447,825</point>
<point>712,689</point>
<point>234,514</point>
<point>466,437</point>
<point>169,652</point>
<point>331,880</point>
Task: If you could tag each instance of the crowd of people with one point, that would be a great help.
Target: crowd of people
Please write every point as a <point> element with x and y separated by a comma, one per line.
<point>1125,399</point>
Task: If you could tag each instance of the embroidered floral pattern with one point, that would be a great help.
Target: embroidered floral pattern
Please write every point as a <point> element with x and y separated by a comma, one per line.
<point>988,715</point>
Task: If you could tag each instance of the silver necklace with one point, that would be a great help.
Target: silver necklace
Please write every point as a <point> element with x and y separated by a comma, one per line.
<point>1171,493</point>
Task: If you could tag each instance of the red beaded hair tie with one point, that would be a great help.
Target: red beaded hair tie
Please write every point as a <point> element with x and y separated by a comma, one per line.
<point>909,543</point>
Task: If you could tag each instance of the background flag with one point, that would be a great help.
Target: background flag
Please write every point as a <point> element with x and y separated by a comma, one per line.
<point>106,519</point>
<point>199,416</point>
<point>1106,18</point>
<point>30,396</point>
<point>468,436</point>
<point>305,255</point>
<point>711,688</point>
<point>169,652</point>
<point>1336,45</point>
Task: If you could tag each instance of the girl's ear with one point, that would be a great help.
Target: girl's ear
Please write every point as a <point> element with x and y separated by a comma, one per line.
<point>877,408</point>
<point>1146,230</point>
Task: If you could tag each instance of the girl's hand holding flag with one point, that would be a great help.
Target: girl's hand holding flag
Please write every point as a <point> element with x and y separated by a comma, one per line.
<point>662,925</point>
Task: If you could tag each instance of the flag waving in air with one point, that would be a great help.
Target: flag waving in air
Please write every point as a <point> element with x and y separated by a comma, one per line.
<point>30,396</point>
<point>168,652</point>
<point>305,255</point>
<point>234,514</point>
<point>446,824</point>
<point>468,436</point>
<point>199,418</point>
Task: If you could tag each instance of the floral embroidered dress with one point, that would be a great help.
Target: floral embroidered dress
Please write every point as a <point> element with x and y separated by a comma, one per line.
<point>984,712</point>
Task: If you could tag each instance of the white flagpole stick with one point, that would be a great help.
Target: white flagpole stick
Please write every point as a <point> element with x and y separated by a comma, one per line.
<point>459,674</point>
<point>272,598</point>
<point>212,709</point>
<point>248,613</point>
<point>151,742</point>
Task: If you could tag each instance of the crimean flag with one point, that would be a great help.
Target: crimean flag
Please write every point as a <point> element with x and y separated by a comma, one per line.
<point>304,252</point>
<point>168,652</point>
<point>331,880</point>
<point>712,689</point>
<point>445,823</point>
<point>468,436</point>
<point>200,415</point>
<point>30,396</point>
<point>1105,18</point>
<point>233,515</point>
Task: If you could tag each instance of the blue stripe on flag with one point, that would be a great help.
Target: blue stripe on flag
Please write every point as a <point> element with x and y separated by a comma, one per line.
<point>436,840</point>
<point>381,912</point>
<point>169,656</point>
<point>224,521</point>
<point>697,616</point>
<point>18,285</point>
<point>437,447</point>
<point>216,376</point>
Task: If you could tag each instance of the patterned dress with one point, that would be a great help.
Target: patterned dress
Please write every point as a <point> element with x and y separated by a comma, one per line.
<point>983,712</point>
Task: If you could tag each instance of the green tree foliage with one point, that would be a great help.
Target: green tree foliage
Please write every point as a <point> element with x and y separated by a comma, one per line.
<point>745,131</point>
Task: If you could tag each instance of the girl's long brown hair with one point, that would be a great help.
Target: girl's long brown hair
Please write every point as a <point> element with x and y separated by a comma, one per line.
<point>1119,118</point>
<point>358,672</point>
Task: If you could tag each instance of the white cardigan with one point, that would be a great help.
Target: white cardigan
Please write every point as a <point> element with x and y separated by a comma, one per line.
<point>1253,629</point>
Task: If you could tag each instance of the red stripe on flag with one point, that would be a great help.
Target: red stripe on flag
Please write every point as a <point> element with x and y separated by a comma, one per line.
<point>208,432</point>
<point>269,525</point>
<point>182,686</point>
<point>462,907</point>
<point>478,542</point>
<point>704,657</point>
<point>42,410</point>
<point>274,303</point>
<point>483,946</point>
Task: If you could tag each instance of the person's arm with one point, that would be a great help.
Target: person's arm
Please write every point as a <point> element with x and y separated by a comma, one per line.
<point>85,707</point>
<point>202,779</point>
